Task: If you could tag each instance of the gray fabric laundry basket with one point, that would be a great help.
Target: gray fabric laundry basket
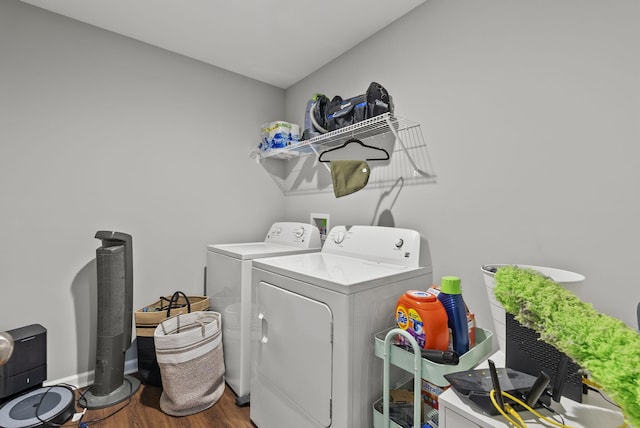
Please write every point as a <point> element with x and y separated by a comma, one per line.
<point>190,355</point>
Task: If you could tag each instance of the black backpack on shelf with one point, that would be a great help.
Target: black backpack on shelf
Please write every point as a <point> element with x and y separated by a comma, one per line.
<point>318,114</point>
<point>379,101</point>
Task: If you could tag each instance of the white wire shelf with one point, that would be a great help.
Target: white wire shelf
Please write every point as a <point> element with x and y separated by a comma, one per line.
<point>293,167</point>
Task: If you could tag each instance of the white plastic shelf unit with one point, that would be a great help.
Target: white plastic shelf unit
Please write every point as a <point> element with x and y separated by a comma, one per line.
<point>296,169</point>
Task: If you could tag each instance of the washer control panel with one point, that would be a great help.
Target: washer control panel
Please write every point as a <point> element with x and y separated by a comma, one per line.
<point>302,235</point>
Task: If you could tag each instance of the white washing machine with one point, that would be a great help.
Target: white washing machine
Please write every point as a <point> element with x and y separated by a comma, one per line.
<point>318,313</point>
<point>228,286</point>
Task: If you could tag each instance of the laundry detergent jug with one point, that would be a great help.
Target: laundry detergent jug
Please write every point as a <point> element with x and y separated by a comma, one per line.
<point>423,316</point>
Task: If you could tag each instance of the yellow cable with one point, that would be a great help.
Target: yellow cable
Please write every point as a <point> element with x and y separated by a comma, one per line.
<point>589,382</point>
<point>515,415</point>
<point>502,412</point>
<point>520,422</point>
<point>538,415</point>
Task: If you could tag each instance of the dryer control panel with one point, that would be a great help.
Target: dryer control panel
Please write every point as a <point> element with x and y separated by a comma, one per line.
<point>378,243</point>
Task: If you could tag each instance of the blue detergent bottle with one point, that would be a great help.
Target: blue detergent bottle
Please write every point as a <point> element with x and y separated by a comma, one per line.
<point>451,298</point>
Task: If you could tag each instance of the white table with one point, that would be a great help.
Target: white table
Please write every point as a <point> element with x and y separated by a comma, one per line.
<point>456,411</point>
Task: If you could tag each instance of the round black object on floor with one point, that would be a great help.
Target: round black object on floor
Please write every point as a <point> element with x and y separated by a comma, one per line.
<point>54,406</point>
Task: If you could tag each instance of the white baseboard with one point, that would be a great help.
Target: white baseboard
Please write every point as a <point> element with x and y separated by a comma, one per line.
<point>81,380</point>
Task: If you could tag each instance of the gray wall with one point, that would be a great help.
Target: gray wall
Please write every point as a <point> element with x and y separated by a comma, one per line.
<point>531,112</point>
<point>100,132</point>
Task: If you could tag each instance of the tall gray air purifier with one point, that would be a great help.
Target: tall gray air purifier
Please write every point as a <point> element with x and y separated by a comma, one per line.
<point>114,262</point>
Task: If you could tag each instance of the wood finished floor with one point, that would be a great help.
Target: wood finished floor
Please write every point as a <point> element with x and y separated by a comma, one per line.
<point>143,411</point>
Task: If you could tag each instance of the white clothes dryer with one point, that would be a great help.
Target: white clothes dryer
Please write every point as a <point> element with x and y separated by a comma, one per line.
<point>318,313</point>
<point>228,285</point>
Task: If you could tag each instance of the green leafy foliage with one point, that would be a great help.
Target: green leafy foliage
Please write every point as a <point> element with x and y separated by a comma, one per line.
<point>605,346</point>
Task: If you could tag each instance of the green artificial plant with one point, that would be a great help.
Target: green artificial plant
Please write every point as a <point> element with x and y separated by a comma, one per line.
<point>604,346</point>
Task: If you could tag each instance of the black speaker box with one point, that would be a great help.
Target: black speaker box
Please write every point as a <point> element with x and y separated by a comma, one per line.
<point>27,367</point>
<point>527,353</point>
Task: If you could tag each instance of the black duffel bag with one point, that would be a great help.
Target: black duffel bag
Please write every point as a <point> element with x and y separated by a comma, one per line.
<point>329,115</point>
<point>341,112</point>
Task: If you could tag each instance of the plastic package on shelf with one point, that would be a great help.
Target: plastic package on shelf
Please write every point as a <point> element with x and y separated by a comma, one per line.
<point>278,135</point>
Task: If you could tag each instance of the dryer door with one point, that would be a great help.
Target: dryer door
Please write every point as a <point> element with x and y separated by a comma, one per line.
<point>295,349</point>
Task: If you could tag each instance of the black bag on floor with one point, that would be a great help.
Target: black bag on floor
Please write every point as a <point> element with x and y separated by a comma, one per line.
<point>148,367</point>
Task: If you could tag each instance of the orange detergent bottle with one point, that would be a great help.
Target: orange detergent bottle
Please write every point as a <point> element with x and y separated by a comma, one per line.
<point>423,316</point>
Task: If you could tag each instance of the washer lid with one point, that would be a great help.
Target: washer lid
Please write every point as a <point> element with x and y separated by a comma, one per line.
<point>252,250</point>
<point>340,273</point>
